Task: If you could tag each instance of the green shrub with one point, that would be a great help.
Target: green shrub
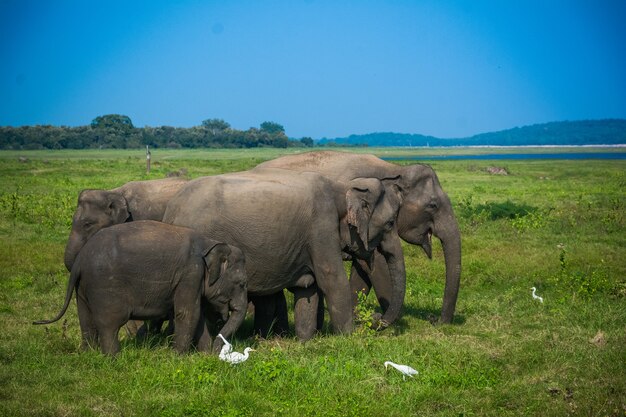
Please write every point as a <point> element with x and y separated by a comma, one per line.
<point>583,282</point>
<point>508,209</point>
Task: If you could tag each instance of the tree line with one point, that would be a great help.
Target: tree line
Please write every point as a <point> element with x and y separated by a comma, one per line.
<point>117,131</point>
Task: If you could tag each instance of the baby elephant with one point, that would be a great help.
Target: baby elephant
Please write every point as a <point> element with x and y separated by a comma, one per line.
<point>150,270</point>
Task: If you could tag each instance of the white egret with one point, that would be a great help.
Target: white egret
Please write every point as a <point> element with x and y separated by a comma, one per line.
<point>404,369</point>
<point>535,296</point>
<point>226,349</point>
<point>237,357</point>
<point>227,354</point>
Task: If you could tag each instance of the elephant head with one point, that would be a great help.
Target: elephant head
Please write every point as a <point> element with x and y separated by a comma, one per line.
<point>96,210</point>
<point>225,287</point>
<point>426,211</point>
<point>372,210</point>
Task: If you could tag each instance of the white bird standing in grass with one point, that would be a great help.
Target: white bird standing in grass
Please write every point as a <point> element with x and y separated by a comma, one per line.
<point>227,354</point>
<point>226,349</point>
<point>535,296</point>
<point>404,369</point>
<point>237,357</point>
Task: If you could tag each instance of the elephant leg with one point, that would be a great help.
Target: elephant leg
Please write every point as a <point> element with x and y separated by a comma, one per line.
<point>306,301</point>
<point>109,341</point>
<point>379,278</point>
<point>186,323</point>
<point>203,336</point>
<point>187,318</point>
<point>264,313</point>
<point>89,332</point>
<point>281,318</point>
<point>270,315</point>
<point>109,321</point>
<point>320,310</point>
<point>359,281</point>
<point>382,283</point>
<point>332,280</point>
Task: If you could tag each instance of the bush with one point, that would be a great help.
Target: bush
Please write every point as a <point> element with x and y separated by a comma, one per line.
<point>493,210</point>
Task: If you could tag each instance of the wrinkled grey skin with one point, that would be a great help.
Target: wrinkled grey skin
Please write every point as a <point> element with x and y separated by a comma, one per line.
<point>97,209</point>
<point>293,226</point>
<point>425,211</point>
<point>145,270</point>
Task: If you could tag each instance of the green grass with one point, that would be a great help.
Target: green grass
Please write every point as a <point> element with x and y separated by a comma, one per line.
<point>562,231</point>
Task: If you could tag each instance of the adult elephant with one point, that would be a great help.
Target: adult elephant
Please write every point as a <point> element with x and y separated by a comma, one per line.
<point>292,228</point>
<point>425,211</point>
<point>135,200</point>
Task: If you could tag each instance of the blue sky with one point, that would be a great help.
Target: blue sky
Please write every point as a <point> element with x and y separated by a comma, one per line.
<point>320,68</point>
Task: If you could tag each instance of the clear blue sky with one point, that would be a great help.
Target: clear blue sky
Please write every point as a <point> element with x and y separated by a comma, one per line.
<point>321,68</point>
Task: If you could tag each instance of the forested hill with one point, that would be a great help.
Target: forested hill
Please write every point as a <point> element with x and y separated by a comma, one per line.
<point>585,132</point>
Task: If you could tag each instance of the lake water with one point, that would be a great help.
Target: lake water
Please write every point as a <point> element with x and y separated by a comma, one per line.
<point>565,155</point>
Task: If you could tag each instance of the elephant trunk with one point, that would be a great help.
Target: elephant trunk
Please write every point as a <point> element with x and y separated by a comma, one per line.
<point>450,237</point>
<point>238,308</point>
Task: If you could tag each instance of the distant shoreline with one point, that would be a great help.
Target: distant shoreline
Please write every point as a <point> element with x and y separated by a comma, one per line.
<point>621,145</point>
<point>511,156</point>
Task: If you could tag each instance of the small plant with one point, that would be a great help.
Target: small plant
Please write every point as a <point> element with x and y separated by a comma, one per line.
<point>269,369</point>
<point>10,204</point>
<point>583,283</point>
<point>196,376</point>
<point>365,315</point>
<point>533,220</point>
<point>561,255</point>
<point>469,211</point>
<point>466,206</point>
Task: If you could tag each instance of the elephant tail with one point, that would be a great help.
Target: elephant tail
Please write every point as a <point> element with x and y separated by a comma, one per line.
<point>74,276</point>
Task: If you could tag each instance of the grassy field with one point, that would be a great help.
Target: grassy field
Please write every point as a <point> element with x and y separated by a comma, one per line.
<point>555,225</point>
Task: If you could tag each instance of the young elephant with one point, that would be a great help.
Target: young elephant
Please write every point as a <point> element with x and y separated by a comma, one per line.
<point>135,200</point>
<point>146,270</point>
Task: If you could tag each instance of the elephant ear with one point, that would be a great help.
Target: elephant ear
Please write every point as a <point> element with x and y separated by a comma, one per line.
<point>116,207</point>
<point>361,199</point>
<point>393,189</point>
<point>216,260</point>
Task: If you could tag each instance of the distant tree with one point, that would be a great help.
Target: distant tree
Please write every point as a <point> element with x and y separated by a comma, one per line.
<point>308,142</point>
<point>215,125</point>
<point>115,131</point>
<point>271,127</point>
<point>279,141</point>
<point>115,121</point>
